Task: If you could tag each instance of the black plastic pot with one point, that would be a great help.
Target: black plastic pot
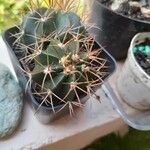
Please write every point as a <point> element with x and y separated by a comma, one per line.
<point>116,30</point>
<point>45,114</point>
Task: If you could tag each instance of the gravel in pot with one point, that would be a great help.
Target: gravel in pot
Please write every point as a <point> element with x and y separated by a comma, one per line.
<point>117,22</point>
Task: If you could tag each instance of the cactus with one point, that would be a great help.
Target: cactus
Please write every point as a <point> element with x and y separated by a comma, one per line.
<point>60,59</point>
<point>65,71</point>
<point>42,22</point>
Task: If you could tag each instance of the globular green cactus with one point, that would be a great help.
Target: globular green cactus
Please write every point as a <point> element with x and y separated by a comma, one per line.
<point>40,23</point>
<point>65,72</point>
<point>68,67</point>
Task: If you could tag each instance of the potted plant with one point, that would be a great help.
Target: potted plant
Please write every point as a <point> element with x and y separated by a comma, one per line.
<point>60,64</point>
<point>133,84</point>
<point>117,22</point>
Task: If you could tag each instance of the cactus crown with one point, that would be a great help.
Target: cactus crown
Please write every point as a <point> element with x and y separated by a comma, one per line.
<point>59,57</point>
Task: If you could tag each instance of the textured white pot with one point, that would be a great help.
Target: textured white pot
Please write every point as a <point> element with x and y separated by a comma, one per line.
<point>133,83</point>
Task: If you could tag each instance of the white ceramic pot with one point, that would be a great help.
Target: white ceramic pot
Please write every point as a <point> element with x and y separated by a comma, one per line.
<point>133,84</point>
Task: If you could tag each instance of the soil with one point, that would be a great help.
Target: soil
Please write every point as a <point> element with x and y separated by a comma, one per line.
<point>142,57</point>
<point>137,9</point>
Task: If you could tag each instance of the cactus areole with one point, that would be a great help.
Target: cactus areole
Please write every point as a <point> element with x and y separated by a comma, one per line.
<point>59,58</point>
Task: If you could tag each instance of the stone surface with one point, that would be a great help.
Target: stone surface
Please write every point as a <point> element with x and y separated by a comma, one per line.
<point>11,102</point>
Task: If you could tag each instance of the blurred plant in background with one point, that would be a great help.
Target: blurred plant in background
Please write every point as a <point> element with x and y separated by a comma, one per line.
<point>61,4</point>
<point>10,10</point>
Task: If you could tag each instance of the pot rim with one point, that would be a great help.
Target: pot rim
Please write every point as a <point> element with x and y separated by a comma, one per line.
<point>121,15</point>
<point>132,54</point>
